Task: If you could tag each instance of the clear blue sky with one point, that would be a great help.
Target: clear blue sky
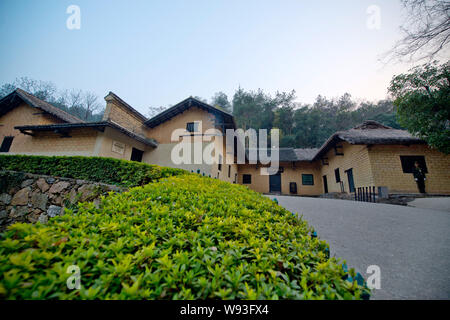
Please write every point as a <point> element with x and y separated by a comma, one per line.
<point>154,53</point>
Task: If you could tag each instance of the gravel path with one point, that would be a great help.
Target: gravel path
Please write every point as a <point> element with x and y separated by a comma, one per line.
<point>410,245</point>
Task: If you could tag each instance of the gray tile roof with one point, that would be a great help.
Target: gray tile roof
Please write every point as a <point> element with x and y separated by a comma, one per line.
<point>95,125</point>
<point>369,132</point>
<point>284,154</point>
<point>305,154</point>
<point>45,106</point>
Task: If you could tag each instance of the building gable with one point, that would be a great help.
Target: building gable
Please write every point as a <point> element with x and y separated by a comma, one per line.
<point>19,97</point>
<point>223,119</point>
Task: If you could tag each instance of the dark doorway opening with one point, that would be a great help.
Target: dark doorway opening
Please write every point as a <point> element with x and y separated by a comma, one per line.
<point>275,182</point>
<point>136,155</point>
<point>6,144</point>
<point>325,184</point>
<point>351,182</point>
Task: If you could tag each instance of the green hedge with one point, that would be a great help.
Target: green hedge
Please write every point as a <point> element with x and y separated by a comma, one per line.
<point>184,237</point>
<point>106,170</point>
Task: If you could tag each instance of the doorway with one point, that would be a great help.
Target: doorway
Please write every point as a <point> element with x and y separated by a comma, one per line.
<point>325,184</point>
<point>275,183</point>
<point>351,182</point>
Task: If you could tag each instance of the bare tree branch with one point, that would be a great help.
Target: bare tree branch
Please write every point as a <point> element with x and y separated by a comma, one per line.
<point>426,31</point>
<point>90,104</point>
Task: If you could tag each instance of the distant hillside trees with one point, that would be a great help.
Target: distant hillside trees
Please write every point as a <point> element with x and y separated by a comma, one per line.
<point>304,125</point>
<point>220,100</point>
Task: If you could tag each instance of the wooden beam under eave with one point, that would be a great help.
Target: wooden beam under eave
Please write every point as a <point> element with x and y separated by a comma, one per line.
<point>63,133</point>
<point>27,133</point>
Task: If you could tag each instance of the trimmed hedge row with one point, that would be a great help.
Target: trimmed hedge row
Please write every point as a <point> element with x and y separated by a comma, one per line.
<point>106,170</point>
<point>184,237</point>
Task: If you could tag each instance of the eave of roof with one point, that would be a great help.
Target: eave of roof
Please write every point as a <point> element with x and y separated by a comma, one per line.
<point>184,105</point>
<point>284,154</point>
<point>93,125</point>
<point>306,154</point>
<point>13,99</point>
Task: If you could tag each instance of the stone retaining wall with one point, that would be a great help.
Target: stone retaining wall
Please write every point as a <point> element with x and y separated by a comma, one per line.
<point>26,197</point>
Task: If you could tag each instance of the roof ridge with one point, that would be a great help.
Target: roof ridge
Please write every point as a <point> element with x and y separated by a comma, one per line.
<point>370,125</point>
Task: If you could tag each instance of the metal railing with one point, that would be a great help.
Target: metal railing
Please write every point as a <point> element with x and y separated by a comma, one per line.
<point>366,194</point>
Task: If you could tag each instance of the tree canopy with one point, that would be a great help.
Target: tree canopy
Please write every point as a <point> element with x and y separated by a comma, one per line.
<point>303,125</point>
<point>423,99</point>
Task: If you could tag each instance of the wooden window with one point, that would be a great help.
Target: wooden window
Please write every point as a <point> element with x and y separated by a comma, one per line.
<point>307,179</point>
<point>6,144</point>
<point>247,179</point>
<point>338,150</point>
<point>408,163</point>
<point>337,175</point>
<point>192,126</point>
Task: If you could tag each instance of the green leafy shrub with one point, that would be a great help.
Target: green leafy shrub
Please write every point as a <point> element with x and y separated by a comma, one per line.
<point>106,170</point>
<point>184,237</point>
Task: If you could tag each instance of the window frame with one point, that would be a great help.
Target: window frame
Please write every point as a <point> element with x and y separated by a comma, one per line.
<point>194,125</point>
<point>307,175</point>
<point>219,165</point>
<point>337,175</point>
<point>137,154</point>
<point>248,180</point>
<point>407,163</point>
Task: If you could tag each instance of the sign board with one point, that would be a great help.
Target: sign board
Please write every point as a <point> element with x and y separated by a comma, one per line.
<point>118,147</point>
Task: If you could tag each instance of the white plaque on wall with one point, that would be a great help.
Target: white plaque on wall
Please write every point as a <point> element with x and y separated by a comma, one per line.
<point>118,147</point>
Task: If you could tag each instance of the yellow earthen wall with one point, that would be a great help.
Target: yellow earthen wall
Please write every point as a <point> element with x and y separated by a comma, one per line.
<point>290,173</point>
<point>356,157</point>
<point>81,141</point>
<point>104,144</point>
<point>387,168</point>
